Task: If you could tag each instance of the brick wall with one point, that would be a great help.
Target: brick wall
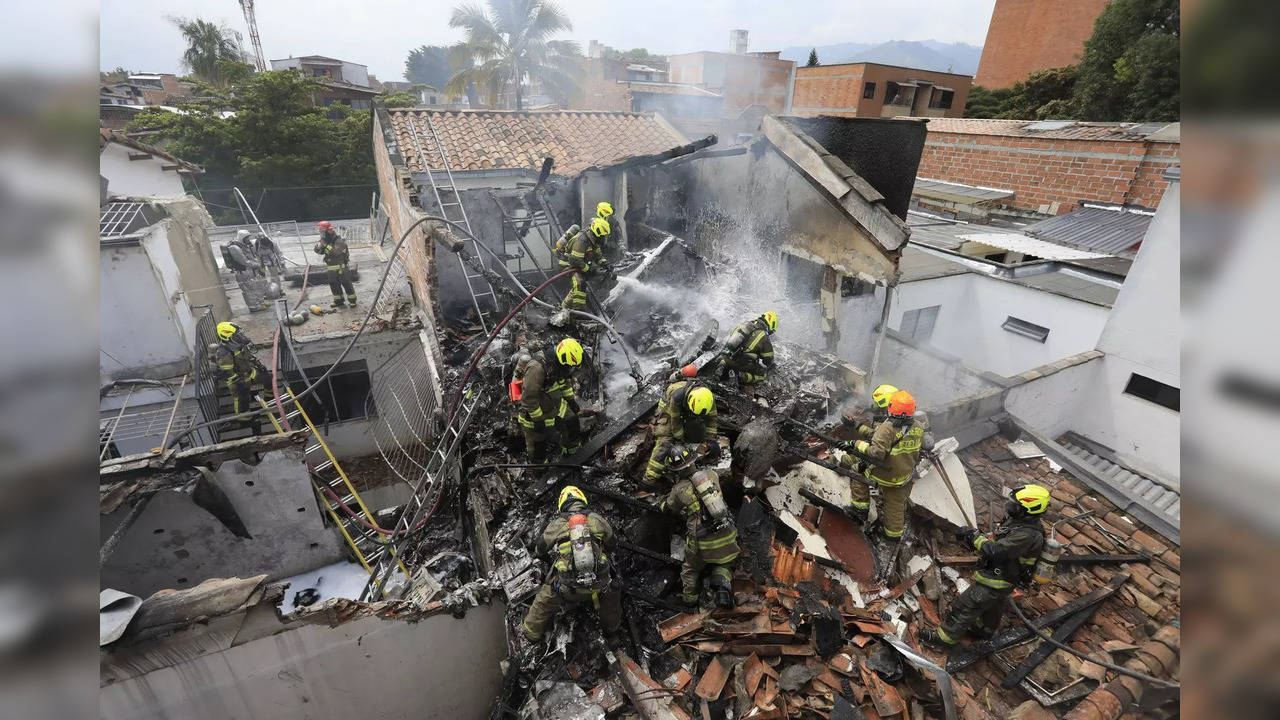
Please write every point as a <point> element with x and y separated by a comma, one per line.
<point>1029,35</point>
<point>838,90</point>
<point>1042,171</point>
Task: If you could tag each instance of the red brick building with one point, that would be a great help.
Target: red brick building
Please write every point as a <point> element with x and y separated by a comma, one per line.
<point>1051,166</point>
<point>875,90</point>
<point>1030,35</point>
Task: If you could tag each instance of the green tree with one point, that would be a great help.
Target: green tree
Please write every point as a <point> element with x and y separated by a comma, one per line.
<point>813,58</point>
<point>428,65</point>
<point>1043,96</point>
<point>510,43</point>
<point>274,139</point>
<point>399,99</point>
<point>208,45</point>
<point>986,103</point>
<point>1130,66</point>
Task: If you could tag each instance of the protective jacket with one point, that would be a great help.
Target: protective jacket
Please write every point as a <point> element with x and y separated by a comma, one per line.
<point>555,541</point>
<point>716,543</point>
<point>236,362</point>
<point>334,249</point>
<point>749,348</point>
<point>546,393</point>
<point>1007,556</point>
<point>898,448</point>
<point>579,250</point>
<point>674,419</point>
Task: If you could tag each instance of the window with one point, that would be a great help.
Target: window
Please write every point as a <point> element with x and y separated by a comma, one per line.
<point>918,324</point>
<point>1154,391</point>
<point>868,90</point>
<point>897,94</point>
<point>360,104</point>
<point>345,395</point>
<point>1039,333</point>
<point>853,287</point>
<point>941,99</point>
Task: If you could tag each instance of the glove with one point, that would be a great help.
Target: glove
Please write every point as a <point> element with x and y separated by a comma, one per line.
<point>714,449</point>
<point>966,535</point>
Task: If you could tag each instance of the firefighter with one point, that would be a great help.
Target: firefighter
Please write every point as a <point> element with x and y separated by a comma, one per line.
<point>888,455</point>
<point>238,367</point>
<point>581,250</point>
<point>877,410</point>
<point>604,211</point>
<point>686,413</point>
<point>336,258</point>
<point>578,542</point>
<point>748,351</point>
<point>547,401</point>
<point>1007,559</point>
<point>241,259</point>
<point>710,537</point>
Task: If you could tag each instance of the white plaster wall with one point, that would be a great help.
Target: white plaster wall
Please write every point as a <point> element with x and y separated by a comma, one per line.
<point>355,73</point>
<point>137,328</point>
<point>438,668</point>
<point>973,308</point>
<point>159,249</point>
<point>136,178</point>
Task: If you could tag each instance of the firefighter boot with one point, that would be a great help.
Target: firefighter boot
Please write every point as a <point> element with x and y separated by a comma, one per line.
<point>934,639</point>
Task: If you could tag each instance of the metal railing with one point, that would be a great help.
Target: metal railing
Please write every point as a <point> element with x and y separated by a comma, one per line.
<point>405,394</point>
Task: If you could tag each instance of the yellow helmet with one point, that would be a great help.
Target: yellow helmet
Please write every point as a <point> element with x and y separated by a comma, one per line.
<point>603,209</point>
<point>569,352</point>
<point>880,396</point>
<point>770,320</point>
<point>599,227</point>
<point>226,330</point>
<point>570,492</point>
<point>1034,498</point>
<point>701,401</point>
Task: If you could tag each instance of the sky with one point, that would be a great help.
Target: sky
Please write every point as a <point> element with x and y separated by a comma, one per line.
<point>136,34</point>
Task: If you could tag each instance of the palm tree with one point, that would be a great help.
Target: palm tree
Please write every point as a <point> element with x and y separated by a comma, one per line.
<point>510,43</point>
<point>207,45</point>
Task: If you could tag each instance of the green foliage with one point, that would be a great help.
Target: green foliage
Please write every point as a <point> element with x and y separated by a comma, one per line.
<point>1130,66</point>
<point>275,139</point>
<point>400,99</point>
<point>208,45</point>
<point>813,58</point>
<point>634,55</point>
<point>510,43</point>
<point>1230,74</point>
<point>428,65</point>
<point>117,75</point>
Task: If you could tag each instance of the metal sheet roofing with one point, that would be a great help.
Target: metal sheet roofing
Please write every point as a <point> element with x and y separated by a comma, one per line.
<point>957,192</point>
<point>1058,130</point>
<point>1094,229</point>
<point>1030,246</point>
<point>1153,503</point>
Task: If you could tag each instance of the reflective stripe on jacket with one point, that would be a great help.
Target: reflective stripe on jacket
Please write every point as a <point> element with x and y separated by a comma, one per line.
<point>1004,554</point>
<point>675,419</point>
<point>898,449</point>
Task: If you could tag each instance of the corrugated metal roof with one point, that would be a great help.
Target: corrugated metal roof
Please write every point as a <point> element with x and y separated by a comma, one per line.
<point>956,192</point>
<point>1094,229</point>
<point>1030,246</point>
<point>1162,506</point>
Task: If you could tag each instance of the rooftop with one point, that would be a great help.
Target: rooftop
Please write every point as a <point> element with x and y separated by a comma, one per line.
<point>1109,230</point>
<point>1055,129</point>
<point>494,139</point>
<point>667,88</point>
<point>107,136</point>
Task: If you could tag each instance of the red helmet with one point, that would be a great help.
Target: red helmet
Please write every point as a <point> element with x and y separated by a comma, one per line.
<point>324,225</point>
<point>902,404</point>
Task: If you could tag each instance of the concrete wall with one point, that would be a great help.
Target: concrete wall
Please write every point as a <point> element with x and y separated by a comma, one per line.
<point>1052,175</point>
<point>436,668</point>
<point>935,378</point>
<point>145,328</point>
<point>137,178</point>
<point>177,544</point>
<point>1030,35</point>
<point>973,307</point>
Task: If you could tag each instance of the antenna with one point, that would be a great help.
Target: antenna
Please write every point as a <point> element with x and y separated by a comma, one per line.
<point>252,22</point>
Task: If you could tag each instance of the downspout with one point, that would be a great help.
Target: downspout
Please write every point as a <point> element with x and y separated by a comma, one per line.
<point>884,328</point>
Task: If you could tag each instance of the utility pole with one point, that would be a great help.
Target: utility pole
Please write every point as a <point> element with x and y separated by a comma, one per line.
<point>252,22</point>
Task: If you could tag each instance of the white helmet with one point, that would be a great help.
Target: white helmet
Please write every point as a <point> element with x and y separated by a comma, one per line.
<point>242,235</point>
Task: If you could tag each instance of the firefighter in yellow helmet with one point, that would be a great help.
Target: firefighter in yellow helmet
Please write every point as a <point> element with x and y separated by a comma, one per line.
<point>1006,559</point>
<point>710,534</point>
<point>748,351</point>
<point>887,455</point>
<point>336,257</point>
<point>547,401</point>
<point>583,250</point>
<point>238,369</point>
<point>877,410</point>
<point>579,544</point>
<point>686,414</point>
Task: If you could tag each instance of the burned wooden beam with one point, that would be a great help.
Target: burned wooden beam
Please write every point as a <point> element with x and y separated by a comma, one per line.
<point>1042,653</point>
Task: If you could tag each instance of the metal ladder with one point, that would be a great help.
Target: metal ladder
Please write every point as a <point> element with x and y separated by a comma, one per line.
<point>484,300</point>
<point>425,496</point>
<point>368,545</point>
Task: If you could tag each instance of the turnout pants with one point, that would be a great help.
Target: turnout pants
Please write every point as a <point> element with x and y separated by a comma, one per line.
<point>549,601</point>
<point>576,298</point>
<point>719,572</point>
<point>976,613</point>
<point>338,282</point>
<point>894,501</point>
<point>658,458</point>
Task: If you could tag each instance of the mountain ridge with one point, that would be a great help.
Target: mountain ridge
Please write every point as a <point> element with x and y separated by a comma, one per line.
<point>960,58</point>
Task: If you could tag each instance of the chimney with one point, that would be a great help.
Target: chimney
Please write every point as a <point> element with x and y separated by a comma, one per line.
<point>738,41</point>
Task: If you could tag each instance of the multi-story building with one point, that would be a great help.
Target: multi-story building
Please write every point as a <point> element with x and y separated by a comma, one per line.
<point>758,79</point>
<point>1030,35</point>
<point>874,90</point>
<point>343,82</point>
